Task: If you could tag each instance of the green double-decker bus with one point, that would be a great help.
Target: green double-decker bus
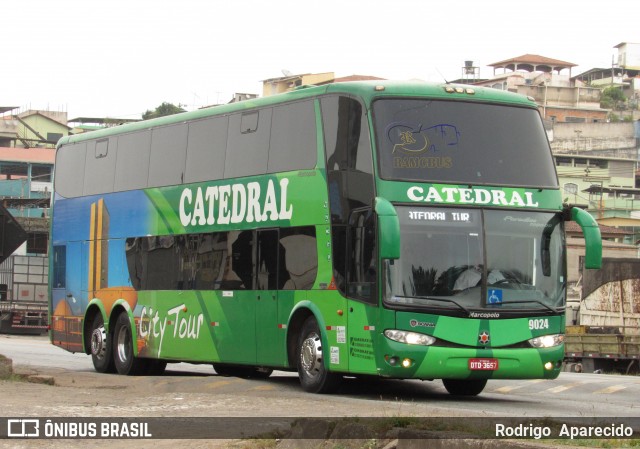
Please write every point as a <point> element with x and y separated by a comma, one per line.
<point>400,230</point>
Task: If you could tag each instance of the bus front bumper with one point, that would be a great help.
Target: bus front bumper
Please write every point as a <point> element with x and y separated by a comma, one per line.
<point>436,362</point>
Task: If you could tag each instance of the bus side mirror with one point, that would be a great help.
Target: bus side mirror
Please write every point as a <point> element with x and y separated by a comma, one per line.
<point>388,229</point>
<point>592,238</point>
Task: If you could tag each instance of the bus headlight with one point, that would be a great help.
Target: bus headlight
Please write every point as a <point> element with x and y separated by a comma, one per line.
<point>547,341</point>
<point>410,338</point>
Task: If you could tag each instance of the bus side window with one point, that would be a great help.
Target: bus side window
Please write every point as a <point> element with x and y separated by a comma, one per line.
<point>70,170</point>
<point>248,149</point>
<point>206,149</point>
<point>100,166</point>
<point>300,258</point>
<point>134,257</point>
<point>161,270</point>
<point>168,155</point>
<point>268,255</point>
<point>240,267</point>
<point>346,131</point>
<point>59,267</point>
<point>293,137</point>
<point>349,171</point>
<point>132,161</point>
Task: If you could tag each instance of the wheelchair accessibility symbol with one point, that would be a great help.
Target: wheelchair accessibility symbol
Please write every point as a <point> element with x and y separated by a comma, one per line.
<point>494,297</point>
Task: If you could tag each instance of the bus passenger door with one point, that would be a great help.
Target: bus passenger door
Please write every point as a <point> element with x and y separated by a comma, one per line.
<point>362,276</point>
<point>237,334</point>
<point>362,320</point>
<point>269,334</point>
<point>240,313</point>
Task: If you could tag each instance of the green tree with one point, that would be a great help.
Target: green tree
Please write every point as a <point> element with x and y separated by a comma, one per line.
<point>162,110</point>
<point>612,98</point>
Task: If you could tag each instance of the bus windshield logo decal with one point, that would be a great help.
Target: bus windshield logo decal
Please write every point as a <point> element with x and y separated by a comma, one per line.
<point>234,203</point>
<point>407,143</point>
<point>411,142</point>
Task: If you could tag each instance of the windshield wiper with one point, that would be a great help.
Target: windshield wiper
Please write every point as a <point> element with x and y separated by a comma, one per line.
<point>550,309</point>
<point>431,298</point>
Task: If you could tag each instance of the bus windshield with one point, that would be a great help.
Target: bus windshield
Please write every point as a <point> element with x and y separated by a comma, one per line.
<point>468,259</point>
<point>459,142</point>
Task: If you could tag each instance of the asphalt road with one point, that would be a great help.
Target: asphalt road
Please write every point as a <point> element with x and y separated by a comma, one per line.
<point>571,395</point>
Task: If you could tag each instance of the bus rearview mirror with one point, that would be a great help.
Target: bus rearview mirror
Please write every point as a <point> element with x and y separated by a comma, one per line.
<point>592,238</point>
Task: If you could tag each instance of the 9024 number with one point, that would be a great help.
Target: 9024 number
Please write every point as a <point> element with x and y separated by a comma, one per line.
<point>538,324</point>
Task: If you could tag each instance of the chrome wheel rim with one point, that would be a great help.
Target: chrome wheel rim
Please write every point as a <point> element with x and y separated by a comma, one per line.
<point>311,355</point>
<point>99,342</point>
<point>122,344</point>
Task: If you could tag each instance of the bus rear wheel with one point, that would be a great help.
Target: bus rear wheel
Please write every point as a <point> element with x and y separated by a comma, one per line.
<point>314,376</point>
<point>466,387</point>
<point>101,347</point>
<point>123,356</point>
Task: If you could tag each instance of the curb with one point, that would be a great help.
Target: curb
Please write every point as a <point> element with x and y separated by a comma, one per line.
<point>7,373</point>
<point>6,367</point>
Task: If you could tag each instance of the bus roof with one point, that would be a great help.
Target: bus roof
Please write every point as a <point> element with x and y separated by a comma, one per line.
<point>367,90</point>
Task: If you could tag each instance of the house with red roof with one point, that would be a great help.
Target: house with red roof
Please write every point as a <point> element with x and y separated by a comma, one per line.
<point>550,83</point>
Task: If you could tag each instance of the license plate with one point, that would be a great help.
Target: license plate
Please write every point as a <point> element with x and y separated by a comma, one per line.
<point>483,364</point>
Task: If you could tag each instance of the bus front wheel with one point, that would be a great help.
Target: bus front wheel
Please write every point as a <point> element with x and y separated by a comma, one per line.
<point>123,355</point>
<point>312,372</point>
<point>101,352</point>
<point>467,387</point>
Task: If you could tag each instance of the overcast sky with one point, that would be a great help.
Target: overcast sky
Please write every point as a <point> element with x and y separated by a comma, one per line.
<point>118,58</point>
